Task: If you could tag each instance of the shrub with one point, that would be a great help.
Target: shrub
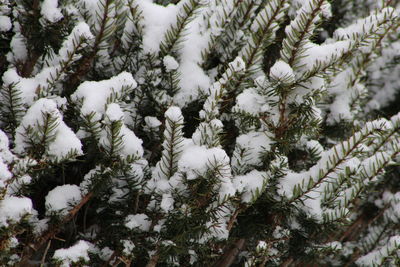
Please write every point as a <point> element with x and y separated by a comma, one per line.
<point>199,132</point>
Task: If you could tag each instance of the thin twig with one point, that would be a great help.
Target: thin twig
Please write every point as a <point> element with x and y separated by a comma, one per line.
<point>45,254</point>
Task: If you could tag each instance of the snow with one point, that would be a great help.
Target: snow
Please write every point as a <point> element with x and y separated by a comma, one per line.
<point>334,163</point>
<point>156,20</point>
<point>93,8</point>
<point>13,209</point>
<point>205,155</point>
<point>266,21</point>
<point>282,72</point>
<point>106,253</point>
<point>323,54</point>
<point>315,145</point>
<point>192,79</point>
<point>62,198</point>
<point>49,9</point>
<point>391,214</point>
<point>167,203</point>
<point>19,52</point>
<point>254,143</point>
<point>249,184</point>
<point>262,245</point>
<point>81,30</point>
<point>152,122</point>
<point>94,95</point>
<point>128,247</point>
<point>174,134</point>
<point>384,81</point>
<point>371,165</point>
<point>5,157</point>
<point>26,86</point>
<point>250,101</point>
<point>217,89</point>
<point>114,112</point>
<point>132,145</point>
<point>86,184</point>
<point>195,160</point>
<point>174,114</point>
<point>344,95</point>
<point>218,226</point>
<point>18,183</point>
<point>5,23</point>
<point>140,221</point>
<point>65,141</point>
<point>207,133</point>
<point>68,256</point>
<point>39,226</point>
<point>4,147</point>
<point>170,63</point>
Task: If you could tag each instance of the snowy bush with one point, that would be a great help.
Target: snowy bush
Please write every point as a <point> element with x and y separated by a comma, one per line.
<point>199,132</point>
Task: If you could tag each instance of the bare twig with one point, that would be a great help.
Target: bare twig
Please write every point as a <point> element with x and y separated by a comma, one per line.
<point>45,254</point>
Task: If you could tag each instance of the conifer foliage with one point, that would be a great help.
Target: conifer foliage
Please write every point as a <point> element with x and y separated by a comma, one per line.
<point>199,133</point>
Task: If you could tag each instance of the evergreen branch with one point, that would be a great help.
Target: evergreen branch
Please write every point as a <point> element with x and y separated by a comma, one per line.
<point>63,67</point>
<point>330,161</point>
<point>105,31</point>
<point>11,107</point>
<point>264,27</point>
<point>366,174</point>
<point>173,36</point>
<point>228,14</point>
<point>379,256</point>
<point>91,125</point>
<point>230,43</point>
<point>172,145</point>
<point>131,40</point>
<point>299,31</point>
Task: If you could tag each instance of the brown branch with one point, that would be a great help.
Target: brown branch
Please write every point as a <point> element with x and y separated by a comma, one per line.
<point>153,260</point>
<point>233,219</point>
<point>230,255</point>
<point>45,254</point>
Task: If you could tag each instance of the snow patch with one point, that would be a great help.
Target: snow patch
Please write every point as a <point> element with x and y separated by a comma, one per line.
<point>13,209</point>
<point>140,221</point>
<point>68,256</point>
<point>50,11</point>
<point>62,198</point>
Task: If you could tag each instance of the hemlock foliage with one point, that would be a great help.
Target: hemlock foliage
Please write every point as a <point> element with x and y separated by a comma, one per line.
<point>199,133</point>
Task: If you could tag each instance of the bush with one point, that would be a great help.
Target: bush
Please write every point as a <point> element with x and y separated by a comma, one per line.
<point>199,132</point>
